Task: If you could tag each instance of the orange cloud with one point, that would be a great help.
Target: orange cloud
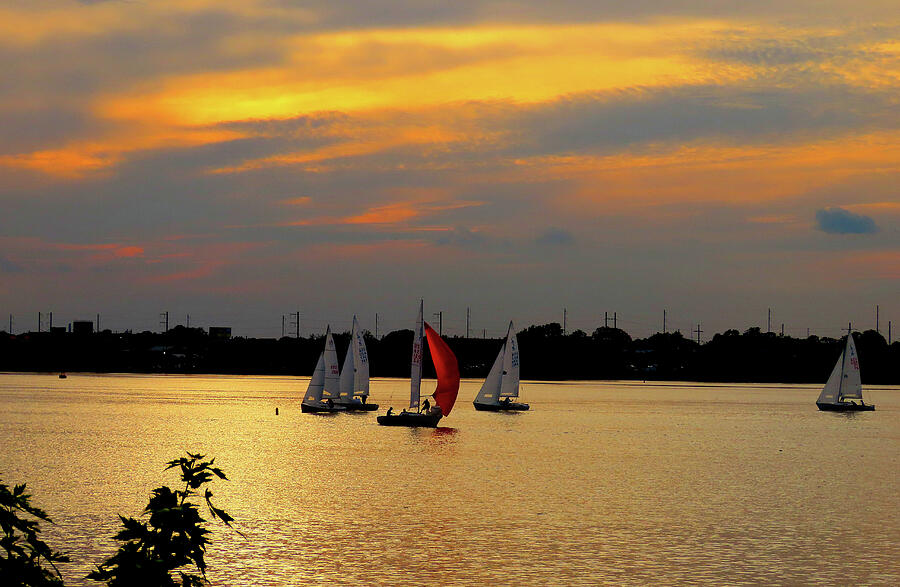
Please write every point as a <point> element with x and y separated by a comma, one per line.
<point>395,213</point>
<point>369,143</point>
<point>703,172</point>
<point>521,64</point>
<point>81,158</point>
<point>301,201</point>
<point>129,252</point>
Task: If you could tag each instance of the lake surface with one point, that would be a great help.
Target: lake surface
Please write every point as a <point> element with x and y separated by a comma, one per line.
<point>602,482</point>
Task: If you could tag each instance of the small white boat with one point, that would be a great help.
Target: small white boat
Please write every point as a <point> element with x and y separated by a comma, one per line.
<point>325,383</point>
<point>354,388</point>
<point>502,383</point>
<point>844,386</point>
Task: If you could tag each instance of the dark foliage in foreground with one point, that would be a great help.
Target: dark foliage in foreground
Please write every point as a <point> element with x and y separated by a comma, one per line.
<point>547,354</point>
<point>25,560</point>
<point>173,537</point>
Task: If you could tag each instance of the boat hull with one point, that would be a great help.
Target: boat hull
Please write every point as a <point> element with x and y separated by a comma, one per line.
<point>360,407</point>
<point>846,407</point>
<point>410,419</point>
<point>323,409</point>
<point>502,407</point>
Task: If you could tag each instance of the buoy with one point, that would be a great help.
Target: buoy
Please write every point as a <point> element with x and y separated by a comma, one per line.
<point>276,411</point>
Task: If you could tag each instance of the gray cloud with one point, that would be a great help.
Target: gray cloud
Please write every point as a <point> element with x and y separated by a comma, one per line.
<point>555,236</point>
<point>834,220</point>
<point>7,266</point>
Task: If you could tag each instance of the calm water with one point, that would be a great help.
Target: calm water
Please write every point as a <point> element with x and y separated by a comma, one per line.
<point>618,482</point>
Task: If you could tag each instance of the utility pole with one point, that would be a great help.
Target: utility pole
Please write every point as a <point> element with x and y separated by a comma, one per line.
<point>467,322</point>
<point>39,321</point>
<point>484,333</point>
<point>664,321</point>
<point>889,328</point>
<point>98,322</point>
<point>188,320</point>
<point>615,323</point>
<point>282,326</point>
<point>10,323</point>
<point>440,316</point>
<point>769,323</point>
<point>376,325</point>
<point>51,322</point>
<point>698,331</point>
<point>605,319</point>
<point>565,316</point>
<point>297,324</point>
<point>164,320</point>
<point>807,333</point>
<point>876,319</point>
<point>782,329</point>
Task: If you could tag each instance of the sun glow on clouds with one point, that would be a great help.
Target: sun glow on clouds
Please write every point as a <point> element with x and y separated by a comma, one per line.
<point>390,69</point>
<point>395,213</point>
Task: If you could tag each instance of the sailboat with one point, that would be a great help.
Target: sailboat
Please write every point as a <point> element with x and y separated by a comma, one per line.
<point>844,384</point>
<point>354,389</point>
<point>503,379</point>
<point>325,383</point>
<point>447,369</point>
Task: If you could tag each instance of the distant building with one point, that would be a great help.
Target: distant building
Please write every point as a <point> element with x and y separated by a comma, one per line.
<point>223,332</point>
<point>83,327</point>
<point>57,329</point>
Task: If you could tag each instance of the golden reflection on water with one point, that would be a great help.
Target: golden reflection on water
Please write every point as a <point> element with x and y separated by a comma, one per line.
<point>618,482</point>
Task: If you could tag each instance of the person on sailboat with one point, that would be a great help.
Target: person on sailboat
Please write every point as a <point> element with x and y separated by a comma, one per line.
<point>426,406</point>
<point>390,410</point>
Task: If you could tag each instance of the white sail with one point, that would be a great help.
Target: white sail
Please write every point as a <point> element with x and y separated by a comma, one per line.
<point>490,390</point>
<point>851,384</point>
<point>355,372</point>
<point>844,381</point>
<point>509,384</point>
<point>832,389</point>
<point>313,395</point>
<point>348,371</point>
<point>361,361</point>
<point>415,371</point>
<point>332,372</point>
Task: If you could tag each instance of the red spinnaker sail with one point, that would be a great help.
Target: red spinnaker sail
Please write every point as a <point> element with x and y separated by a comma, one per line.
<point>447,369</point>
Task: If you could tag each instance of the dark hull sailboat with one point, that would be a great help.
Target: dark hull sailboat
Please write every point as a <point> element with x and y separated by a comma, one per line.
<point>446,368</point>
<point>411,419</point>
<point>846,407</point>
<point>502,407</point>
<point>323,409</point>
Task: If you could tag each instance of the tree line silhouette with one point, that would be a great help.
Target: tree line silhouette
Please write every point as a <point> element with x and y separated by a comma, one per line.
<point>547,354</point>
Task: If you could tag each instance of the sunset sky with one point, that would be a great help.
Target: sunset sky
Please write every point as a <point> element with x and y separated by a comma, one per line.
<point>237,160</point>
